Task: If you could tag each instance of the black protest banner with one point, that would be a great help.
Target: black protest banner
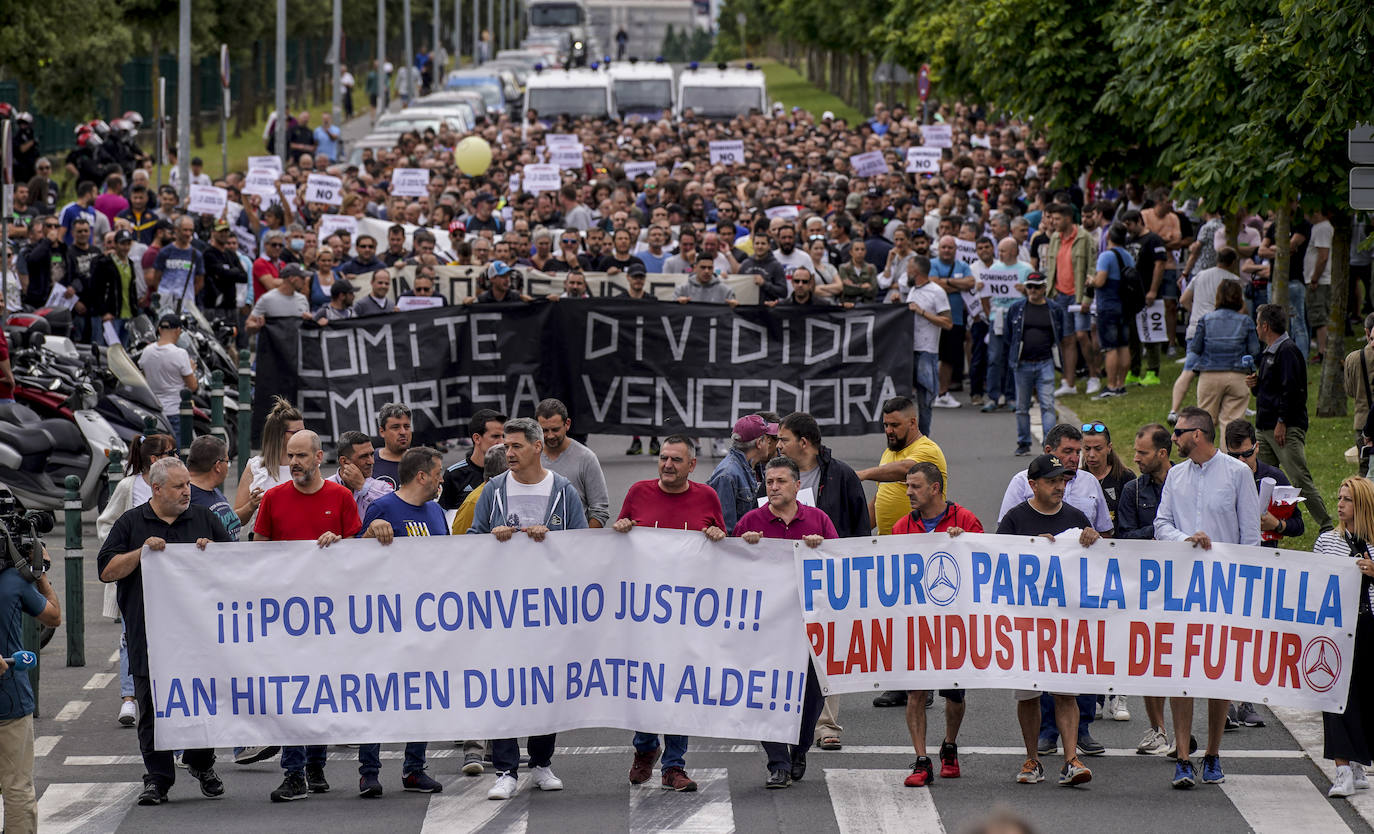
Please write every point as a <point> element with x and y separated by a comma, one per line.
<point>622,366</point>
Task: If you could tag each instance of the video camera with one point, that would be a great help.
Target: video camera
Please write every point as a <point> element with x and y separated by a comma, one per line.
<point>21,537</point>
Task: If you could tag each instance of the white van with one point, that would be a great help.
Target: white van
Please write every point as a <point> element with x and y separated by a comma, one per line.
<point>569,92</point>
<point>721,92</point>
<point>641,88</point>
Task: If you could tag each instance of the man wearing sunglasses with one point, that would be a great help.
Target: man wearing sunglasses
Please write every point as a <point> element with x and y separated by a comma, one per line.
<point>1209,497</point>
<point>365,261</point>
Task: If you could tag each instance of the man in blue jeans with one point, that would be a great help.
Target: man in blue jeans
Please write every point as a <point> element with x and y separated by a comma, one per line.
<point>1032,333</point>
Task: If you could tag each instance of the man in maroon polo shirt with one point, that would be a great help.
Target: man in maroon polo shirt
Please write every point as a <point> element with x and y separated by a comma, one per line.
<point>783,518</point>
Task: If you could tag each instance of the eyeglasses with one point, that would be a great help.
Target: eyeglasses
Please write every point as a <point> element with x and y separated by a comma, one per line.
<point>1095,427</point>
<point>367,246</point>
<point>569,241</point>
<point>1247,454</point>
<point>1181,432</point>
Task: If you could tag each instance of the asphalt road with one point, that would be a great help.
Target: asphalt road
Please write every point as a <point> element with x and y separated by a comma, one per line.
<point>88,769</point>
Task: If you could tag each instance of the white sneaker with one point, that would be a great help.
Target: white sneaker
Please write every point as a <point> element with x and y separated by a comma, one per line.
<point>946,400</point>
<point>1361,780</point>
<point>128,713</point>
<point>1094,385</point>
<point>545,780</point>
<point>505,787</point>
<point>1065,390</point>
<point>1117,709</point>
<point>1152,743</point>
<point>1343,784</point>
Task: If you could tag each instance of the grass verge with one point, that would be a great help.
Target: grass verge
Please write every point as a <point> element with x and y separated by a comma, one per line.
<point>1327,437</point>
<point>250,142</point>
<point>793,90</point>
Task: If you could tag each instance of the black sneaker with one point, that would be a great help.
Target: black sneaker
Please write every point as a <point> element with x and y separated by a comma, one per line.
<point>210,783</point>
<point>891,698</point>
<point>369,786</point>
<point>314,778</point>
<point>292,788</point>
<point>421,782</point>
<point>1089,746</point>
<point>798,764</point>
<point>152,795</point>
<point>1022,450</point>
<point>778,779</point>
<point>636,448</point>
<point>653,446</point>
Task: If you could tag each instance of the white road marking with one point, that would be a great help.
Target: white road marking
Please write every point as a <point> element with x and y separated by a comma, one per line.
<point>708,811</point>
<point>1306,728</point>
<point>464,807</point>
<point>72,711</point>
<point>100,680</point>
<point>1282,804</point>
<point>114,656</point>
<point>87,807</point>
<point>874,802</point>
<point>43,745</point>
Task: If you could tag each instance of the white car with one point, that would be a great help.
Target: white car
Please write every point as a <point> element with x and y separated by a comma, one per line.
<point>421,119</point>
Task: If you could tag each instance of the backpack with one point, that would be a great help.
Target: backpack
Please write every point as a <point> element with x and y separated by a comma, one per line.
<point>1131,290</point>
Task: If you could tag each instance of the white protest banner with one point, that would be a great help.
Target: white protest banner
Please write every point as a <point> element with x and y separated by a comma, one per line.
<point>1149,323</point>
<point>289,643</point>
<point>418,302</point>
<point>1122,617</point>
<point>322,188</point>
<point>410,182</point>
<point>634,169</point>
<point>330,223</point>
<point>379,229</point>
<point>555,139</point>
<point>232,212</point>
<point>566,156</point>
<point>966,250</point>
<point>539,178</point>
<point>923,160</point>
<point>1001,283</point>
<point>727,152</point>
<point>937,136</point>
<point>788,212</point>
<point>870,164</point>
<point>265,163</point>
<point>207,199</point>
<point>262,183</point>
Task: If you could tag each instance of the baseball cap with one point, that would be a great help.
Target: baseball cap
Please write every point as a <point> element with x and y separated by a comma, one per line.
<point>293,271</point>
<point>1045,466</point>
<point>168,322</point>
<point>1035,278</point>
<point>499,268</point>
<point>341,287</point>
<point>752,427</point>
<point>919,232</point>
<point>485,198</point>
<point>874,192</point>
<point>636,269</point>
<point>221,225</point>
<point>828,116</point>
<point>123,236</point>
<point>851,202</point>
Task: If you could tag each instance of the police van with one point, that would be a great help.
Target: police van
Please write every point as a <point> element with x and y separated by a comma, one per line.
<point>641,89</point>
<point>721,92</point>
<point>585,91</point>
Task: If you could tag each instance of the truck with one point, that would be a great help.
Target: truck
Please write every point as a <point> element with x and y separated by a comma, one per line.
<point>551,19</point>
<point>722,92</point>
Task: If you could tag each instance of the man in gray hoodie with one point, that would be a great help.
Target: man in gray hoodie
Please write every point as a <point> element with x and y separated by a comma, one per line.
<point>704,285</point>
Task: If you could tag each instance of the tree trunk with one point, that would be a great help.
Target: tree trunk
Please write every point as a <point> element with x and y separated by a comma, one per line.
<point>1283,230</point>
<point>864,80</point>
<point>1233,229</point>
<point>832,83</point>
<point>1331,395</point>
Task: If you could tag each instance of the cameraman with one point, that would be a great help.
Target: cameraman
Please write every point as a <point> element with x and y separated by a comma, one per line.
<point>38,600</point>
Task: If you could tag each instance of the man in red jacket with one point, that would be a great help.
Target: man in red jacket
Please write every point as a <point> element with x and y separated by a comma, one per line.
<point>932,513</point>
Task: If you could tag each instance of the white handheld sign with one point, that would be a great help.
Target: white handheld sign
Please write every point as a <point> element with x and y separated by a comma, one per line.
<point>566,156</point>
<point>1149,323</point>
<point>634,169</point>
<point>966,250</point>
<point>1001,283</point>
<point>937,136</point>
<point>321,188</point>
<point>539,178</point>
<point>410,182</point>
<point>264,163</point>
<point>330,223</point>
<point>262,182</point>
<point>923,160</point>
<point>871,164</point>
<point>207,199</point>
<point>727,152</point>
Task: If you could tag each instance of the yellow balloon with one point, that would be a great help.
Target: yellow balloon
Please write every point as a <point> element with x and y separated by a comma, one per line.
<point>473,156</point>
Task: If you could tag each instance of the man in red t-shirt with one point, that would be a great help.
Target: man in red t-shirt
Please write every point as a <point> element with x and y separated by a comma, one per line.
<point>267,268</point>
<point>931,512</point>
<point>308,508</point>
<point>671,501</point>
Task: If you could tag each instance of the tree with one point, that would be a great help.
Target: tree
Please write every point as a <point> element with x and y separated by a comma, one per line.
<point>68,55</point>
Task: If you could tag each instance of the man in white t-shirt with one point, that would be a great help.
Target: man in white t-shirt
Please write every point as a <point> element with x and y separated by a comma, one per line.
<point>1316,268</point>
<point>1201,296</point>
<point>169,369</point>
<point>930,303</point>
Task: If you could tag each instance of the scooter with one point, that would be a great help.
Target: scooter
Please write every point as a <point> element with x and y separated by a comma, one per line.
<point>37,455</point>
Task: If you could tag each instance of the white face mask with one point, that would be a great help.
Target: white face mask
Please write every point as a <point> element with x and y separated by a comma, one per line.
<point>297,244</point>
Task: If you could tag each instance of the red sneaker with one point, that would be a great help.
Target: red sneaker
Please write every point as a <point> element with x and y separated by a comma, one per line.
<point>643,766</point>
<point>949,760</point>
<point>676,779</point>
<point>922,774</point>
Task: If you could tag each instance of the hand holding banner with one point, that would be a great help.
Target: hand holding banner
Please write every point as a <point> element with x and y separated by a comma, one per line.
<point>207,199</point>
<point>410,182</point>
<point>321,188</point>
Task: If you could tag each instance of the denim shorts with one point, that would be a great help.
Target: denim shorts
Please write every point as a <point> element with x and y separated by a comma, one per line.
<point>1112,329</point>
<point>1083,322</point>
<point>1168,285</point>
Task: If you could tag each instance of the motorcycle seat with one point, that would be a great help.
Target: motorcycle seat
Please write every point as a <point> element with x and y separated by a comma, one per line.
<point>25,441</point>
<point>65,435</point>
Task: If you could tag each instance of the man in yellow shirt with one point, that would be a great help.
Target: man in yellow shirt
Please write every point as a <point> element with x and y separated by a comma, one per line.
<point>905,446</point>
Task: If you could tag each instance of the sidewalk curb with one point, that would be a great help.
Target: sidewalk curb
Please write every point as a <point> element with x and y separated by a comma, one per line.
<point>1305,726</point>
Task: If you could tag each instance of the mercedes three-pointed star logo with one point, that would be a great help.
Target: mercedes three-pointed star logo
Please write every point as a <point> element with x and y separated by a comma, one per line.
<point>942,578</point>
<point>1321,664</point>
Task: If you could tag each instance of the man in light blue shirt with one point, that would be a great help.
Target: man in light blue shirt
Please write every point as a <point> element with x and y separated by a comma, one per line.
<point>1209,497</point>
<point>327,146</point>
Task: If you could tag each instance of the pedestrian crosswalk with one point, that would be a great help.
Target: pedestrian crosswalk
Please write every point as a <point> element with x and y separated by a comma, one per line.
<point>860,801</point>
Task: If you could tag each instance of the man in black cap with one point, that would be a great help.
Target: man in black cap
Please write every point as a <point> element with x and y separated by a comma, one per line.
<point>481,218</point>
<point>340,305</point>
<point>1046,514</point>
<point>169,369</point>
<point>224,273</point>
<point>114,290</point>
<point>167,517</point>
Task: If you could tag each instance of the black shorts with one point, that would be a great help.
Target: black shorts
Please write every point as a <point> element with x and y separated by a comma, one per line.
<point>1113,329</point>
<point>955,695</point>
<point>952,346</point>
